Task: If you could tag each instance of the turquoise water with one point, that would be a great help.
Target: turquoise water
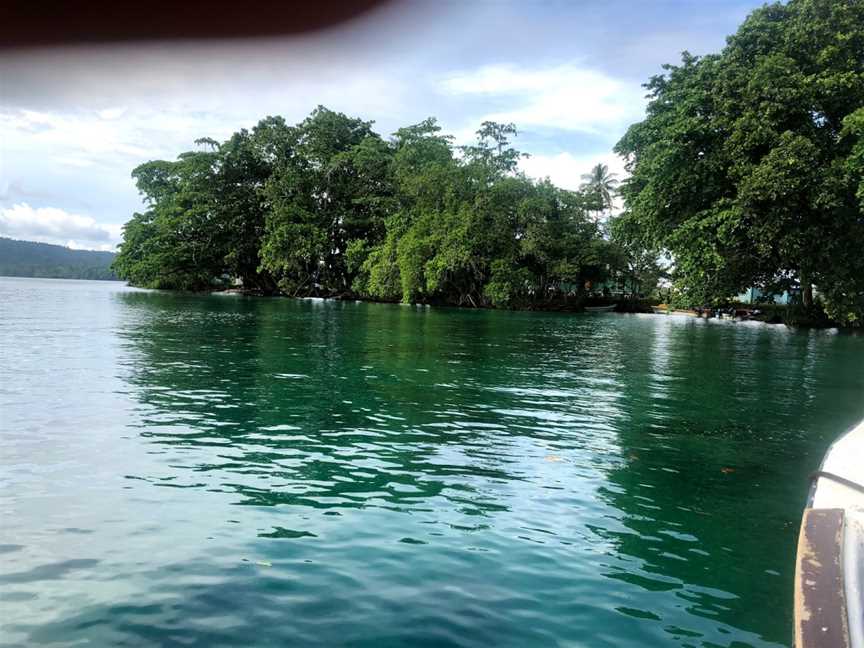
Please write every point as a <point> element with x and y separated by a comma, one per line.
<point>223,471</point>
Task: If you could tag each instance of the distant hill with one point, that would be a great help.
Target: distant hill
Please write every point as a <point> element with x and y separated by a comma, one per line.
<point>29,259</point>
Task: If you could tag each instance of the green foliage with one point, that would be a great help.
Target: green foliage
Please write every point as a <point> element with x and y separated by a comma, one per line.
<point>637,258</point>
<point>330,187</point>
<point>327,207</point>
<point>205,217</point>
<point>749,167</point>
<point>508,285</point>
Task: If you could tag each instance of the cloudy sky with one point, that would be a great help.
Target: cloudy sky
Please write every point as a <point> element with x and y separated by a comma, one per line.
<point>74,123</point>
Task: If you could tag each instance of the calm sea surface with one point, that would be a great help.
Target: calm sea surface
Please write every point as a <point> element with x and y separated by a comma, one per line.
<point>224,471</point>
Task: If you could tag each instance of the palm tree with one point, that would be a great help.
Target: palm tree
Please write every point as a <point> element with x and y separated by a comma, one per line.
<point>602,184</point>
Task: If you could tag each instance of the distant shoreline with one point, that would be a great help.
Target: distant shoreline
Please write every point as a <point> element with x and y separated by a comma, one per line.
<point>31,259</point>
<point>23,276</point>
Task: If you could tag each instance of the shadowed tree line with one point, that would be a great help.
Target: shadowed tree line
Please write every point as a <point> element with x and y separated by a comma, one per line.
<point>329,208</point>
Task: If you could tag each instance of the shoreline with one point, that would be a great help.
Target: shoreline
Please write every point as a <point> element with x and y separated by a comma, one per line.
<point>643,306</point>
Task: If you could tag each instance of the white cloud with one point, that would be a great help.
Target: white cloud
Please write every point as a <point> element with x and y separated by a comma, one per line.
<point>566,170</point>
<point>53,225</point>
<point>75,125</point>
<point>70,161</point>
<point>105,247</point>
<point>566,97</point>
<point>81,135</point>
<point>112,113</point>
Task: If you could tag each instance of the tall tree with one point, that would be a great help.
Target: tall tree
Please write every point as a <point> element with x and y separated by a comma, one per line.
<point>327,191</point>
<point>205,218</point>
<point>176,242</point>
<point>745,167</point>
<point>492,151</point>
<point>601,185</point>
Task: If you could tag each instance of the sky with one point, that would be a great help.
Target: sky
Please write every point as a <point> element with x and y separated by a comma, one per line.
<point>74,122</point>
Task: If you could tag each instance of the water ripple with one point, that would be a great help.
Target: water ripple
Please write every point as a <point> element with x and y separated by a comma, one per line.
<point>180,469</point>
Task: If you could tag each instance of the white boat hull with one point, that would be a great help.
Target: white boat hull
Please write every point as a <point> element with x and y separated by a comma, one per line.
<point>829,574</point>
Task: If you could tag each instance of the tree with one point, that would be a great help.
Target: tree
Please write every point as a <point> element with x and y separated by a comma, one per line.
<point>327,207</point>
<point>634,258</point>
<point>492,152</point>
<point>175,243</point>
<point>205,218</point>
<point>747,167</point>
<point>601,185</point>
<point>329,189</point>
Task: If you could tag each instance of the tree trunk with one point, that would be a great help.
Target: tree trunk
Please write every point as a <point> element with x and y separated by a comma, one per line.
<point>806,290</point>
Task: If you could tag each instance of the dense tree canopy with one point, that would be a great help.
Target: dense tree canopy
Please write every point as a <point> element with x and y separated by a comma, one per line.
<point>749,167</point>
<point>328,207</point>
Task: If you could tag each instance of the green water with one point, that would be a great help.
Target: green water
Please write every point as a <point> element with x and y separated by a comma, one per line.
<point>225,471</point>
